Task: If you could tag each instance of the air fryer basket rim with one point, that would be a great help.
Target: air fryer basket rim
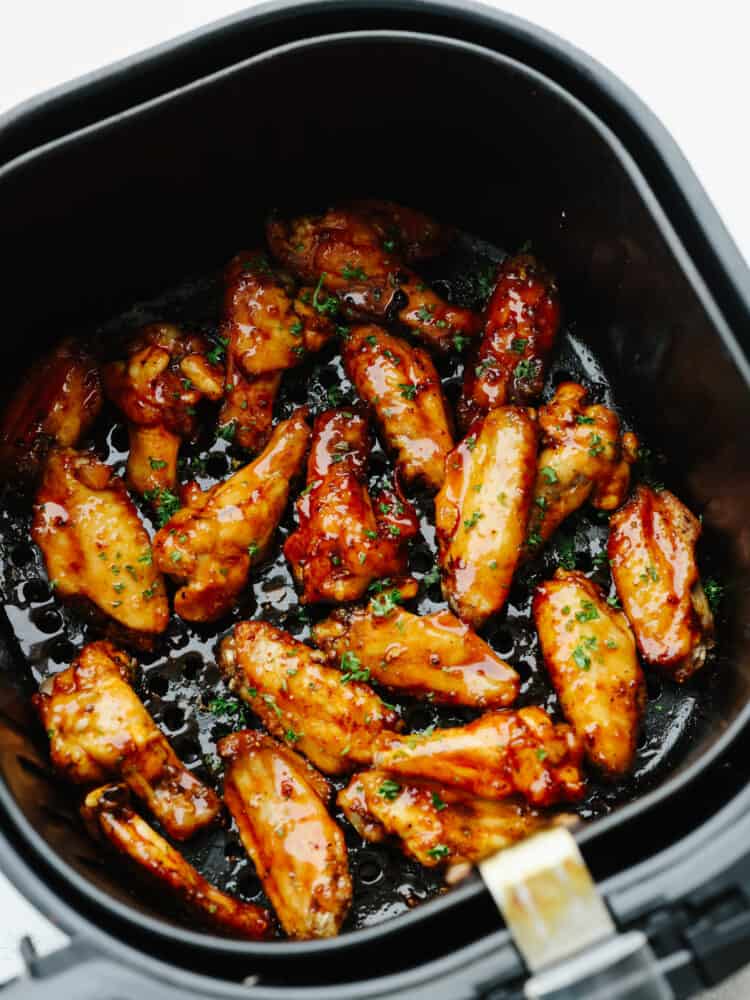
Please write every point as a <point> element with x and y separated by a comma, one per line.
<point>660,220</point>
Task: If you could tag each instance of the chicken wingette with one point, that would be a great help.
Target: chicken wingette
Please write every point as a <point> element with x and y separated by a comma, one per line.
<point>500,754</point>
<point>327,715</point>
<point>651,551</point>
<point>435,655</point>
<point>401,386</point>
<point>56,403</point>
<point>157,386</point>
<point>211,543</point>
<point>590,655</point>
<point>94,544</point>
<point>520,326</point>
<point>107,812</point>
<point>99,731</point>
<point>344,540</point>
<point>279,803</point>
<point>482,511</point>
<point>345,253</point>
<point>584,457</point>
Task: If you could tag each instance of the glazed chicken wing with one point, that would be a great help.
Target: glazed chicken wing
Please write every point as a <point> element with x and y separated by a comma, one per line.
<point>345,253</point>
<point>157,386</point>
<point>279,804</point>
<point>56,403</point>
<point>435,655</point>
<point>590,655</point>
<point>584,458</point>
<point>344,541</point>
<point>94,545</point>
<point>482,511</point>
<point>500,754</point>
<point>107,812</point>
<point>210,544</point>
<point>652,554</point>
<point>99,730</point>
<point>411,234</point>
<point>329,717</point>
<point>520,326</point>
<point>435,824</point>
<point>401,386</point>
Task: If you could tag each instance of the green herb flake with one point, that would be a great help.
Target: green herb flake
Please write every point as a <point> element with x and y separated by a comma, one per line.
<point>389,789</point>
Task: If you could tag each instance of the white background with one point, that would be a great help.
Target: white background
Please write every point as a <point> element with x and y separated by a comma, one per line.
<point>687,60</point>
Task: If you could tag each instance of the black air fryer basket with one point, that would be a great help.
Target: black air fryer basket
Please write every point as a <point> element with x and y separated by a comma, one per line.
<point>142,177</point>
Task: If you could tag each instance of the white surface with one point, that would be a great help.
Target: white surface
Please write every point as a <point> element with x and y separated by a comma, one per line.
<point>687,61</point>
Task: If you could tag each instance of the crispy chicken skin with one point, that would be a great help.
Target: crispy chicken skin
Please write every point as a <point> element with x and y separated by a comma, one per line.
<point>400,385</point>
<point>279,804</point>
<point>590,655</point>
<point>94,544</point>
<point>157,386</point>
<point>300,699</point>
<point>99,730</point>
<point>344,541</point>
<point>269,326</point>
<point>583,458</point>
<point>407,231</point>
<point>500,754</point>
<point>56,403</point>
<point>107,813</point>
<point>435,824</point>
<point>652,554</point>
<point>211,543</point>
<point>520,326</point>
<point>482,511</point>
<point>434,655</point>
<point>345,252</point>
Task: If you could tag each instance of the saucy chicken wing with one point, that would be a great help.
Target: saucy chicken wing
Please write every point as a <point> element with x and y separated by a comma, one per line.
<point>57,401</point>
<point>435,824</point>
<point>279,803</point>
<point>99,730</point>
<point>345,253</point>
<point>157,386</point>
<point>401,386</point>
<point>589,652</point>
<point>482,511</point>
<point>107,813</point>
<point>344,541</point>
<point>435,655</point>
<point>406,231</point>
<point>652,554</point>
<point>520,326</point>
<point>332,719</point>
<point>94,544</point>
<point>584,458</point>
<point>211,543</point>
<point>500,754</point>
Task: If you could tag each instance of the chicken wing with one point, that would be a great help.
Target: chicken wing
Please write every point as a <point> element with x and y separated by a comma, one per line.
<point>56,403</point>
<point>433,654</point>
<point>344,252</point>
<point>269,327</point>
<point>590,655</point>
<point>343,542</point>
<point>157,386</point>
<point>652,554</point>
<point>211,543</point>
<point>435,824</point>
<point>99,730</point>
<point>400,384</point>
<point>94,545</point>
<point>279,804</point>
<point>584,457</point>
<point>482,510</point>
<point>406,231</point>
<point>328,716</point>
<point>520,326</point>
<point>500,754</point>
<point>107,812</point>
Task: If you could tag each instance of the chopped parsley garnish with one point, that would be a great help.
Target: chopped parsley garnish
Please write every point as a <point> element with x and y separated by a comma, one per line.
<point>549,473</point>
<point>649,574</point>
<point>584,420</point>
<point>291,737</point>
<point>253,549</point>
<point>471,442</point>
<point>217,352</point>
<point>389,789</point>
<point>526,368</point>
<point>146,557</point>
<point>329,305</point>
<point>482,367</point>
<point>460,342</point>
<point>588,612</point>
<point>613,601</point>
<point>432,577</point>
<point>350,273</point>
<point>439,851</point>
<point>166,503</point>
<point>227,431</point>
<point>595,445</point>
<point>157,463</point>
<point>408,391</point>
<point>438,802</point>
<point>518,344</point>
<point>581,656</point>
<point>296,328</point>
<point>473,521</point>
<point>151,591</point>
<point>714,592</point>
<point>385,602</point>
<point>352,669</point>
